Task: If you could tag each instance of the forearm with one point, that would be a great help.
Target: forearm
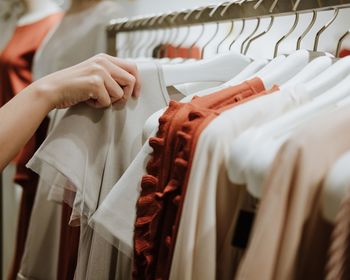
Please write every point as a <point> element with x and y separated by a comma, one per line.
<point>98,81</point>
<point>19,119</point>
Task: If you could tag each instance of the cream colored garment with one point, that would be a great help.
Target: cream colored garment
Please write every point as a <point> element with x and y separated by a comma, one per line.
<point>90,149</point>
<point>115,217</point>
<point>203,246</point>
<point>119,206</point>
<point>251,155</point>
<point>338,257</point>
<point>40,257</point>
<point>335,187</point>
<point>290,239</point>
<point>85,135</point>
<point>83,34</point>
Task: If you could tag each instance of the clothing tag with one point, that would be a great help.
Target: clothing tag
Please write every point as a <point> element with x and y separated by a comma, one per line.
<point>243,228</point>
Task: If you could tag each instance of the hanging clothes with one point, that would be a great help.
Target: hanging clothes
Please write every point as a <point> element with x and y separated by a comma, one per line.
<point>173,148</point>
<point>338,255</point>
<point>92,167</point>
<point>15,74</point>
<point>296,249</point>
<point>168,210</point>
<point>204,254</point>
<point>83,34</point>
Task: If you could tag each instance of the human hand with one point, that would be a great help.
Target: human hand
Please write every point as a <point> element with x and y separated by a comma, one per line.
<point>98,81</point>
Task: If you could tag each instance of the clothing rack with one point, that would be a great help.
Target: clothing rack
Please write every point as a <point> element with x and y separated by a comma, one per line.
<point>227,11</point>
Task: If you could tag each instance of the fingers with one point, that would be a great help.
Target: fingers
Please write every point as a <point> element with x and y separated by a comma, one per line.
<point>115,91</point>
<point>128,67</point>
<point>132,69</point>
<point>101,98</point>
<point>123,78</point>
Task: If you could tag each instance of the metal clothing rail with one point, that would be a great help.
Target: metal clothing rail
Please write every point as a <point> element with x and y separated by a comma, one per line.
<point>224,12</point>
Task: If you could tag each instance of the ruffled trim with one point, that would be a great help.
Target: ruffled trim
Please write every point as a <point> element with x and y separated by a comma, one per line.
<point>163,189</point>
<point>149,204</point>
<point>161,199</point>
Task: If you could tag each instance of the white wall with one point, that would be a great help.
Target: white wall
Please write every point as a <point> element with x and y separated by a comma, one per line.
<point>146,7</point>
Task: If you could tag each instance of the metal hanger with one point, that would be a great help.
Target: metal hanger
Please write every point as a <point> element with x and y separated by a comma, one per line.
<point>257,5</point>
<point>307,30</point>
<point>210,39</point>
<point>201,33</point>
<point>340,42</point>
<point>200,12</point>
<point>125,45</point>
<point>222,5</point>
<point>223,12</point>
<point>137,38</point>
<point>251,35</point>
<point>188,29</point>
<point>296,5</point>
<point>319,33</point>
<point>138,42</point>
<point>239,34</point>
<point>295,24</point>
<point>230,30</point>
<point>211,14</point>
<point>133,36</point>
<point>160,36</point>
<point>153,42</point>
<point>145,38</point>
<point>259,35</point>
<point>175,35</point>
<point>247,40</point>
<point>273,6</point>
<point>167,37</point>
<point>165,44</point>
<point>225,38</point>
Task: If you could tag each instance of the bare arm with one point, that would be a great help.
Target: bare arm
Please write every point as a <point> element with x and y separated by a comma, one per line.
<point>99,81</point>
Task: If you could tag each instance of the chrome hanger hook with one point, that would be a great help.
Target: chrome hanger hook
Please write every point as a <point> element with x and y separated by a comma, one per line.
<point>189,13</point>
<point>307,30</point>
<point>156,33</point>
<point>224,10</point>
<point>259,35</point>
<point>257,5</point>
<point>238,35</point>
<point>214,10</point>
<point>197,40</point>
<point>273,6</point>
<point>163,33</point>
<point>222,14</point>
<point>138,50</point>
<point>224,39</point>
<point>295,24</point>
<point>201,10</point>
<point>210,40</point>
<point>251,35</point>
<point>296,5</point>
<point>319,33</point>
<point>182,41</point>
<point>340,43</point>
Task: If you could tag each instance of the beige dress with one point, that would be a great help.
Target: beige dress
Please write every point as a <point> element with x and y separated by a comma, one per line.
<point>290,238</point>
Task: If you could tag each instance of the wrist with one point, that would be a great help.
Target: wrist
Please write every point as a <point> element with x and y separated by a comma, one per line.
<point>43,94</point>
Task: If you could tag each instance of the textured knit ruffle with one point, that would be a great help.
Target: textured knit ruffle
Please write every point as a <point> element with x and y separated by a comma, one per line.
<point>163,188</point>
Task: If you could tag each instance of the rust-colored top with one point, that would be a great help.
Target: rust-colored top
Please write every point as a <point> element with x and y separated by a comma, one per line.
<point>163,188</point>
